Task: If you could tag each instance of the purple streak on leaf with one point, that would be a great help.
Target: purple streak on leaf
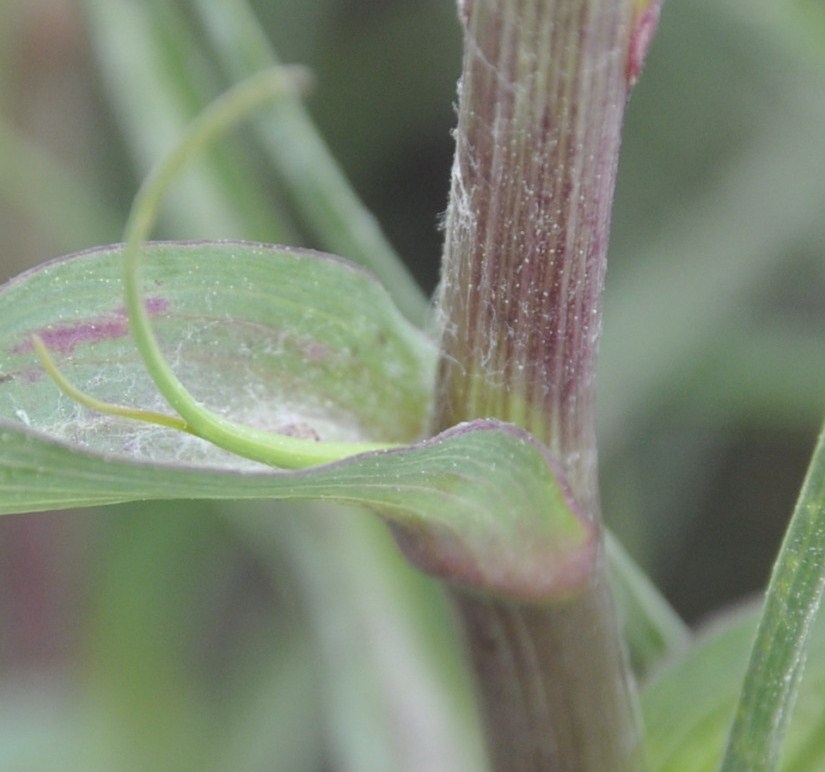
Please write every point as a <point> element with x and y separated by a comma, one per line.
<point>65,338</point>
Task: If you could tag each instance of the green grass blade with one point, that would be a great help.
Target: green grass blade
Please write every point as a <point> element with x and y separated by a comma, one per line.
<point>157,79</point>
<point>312,178</point>
<point>716,249</point>
<point>777,658</point>
<point>363,600</point>
<point>63,206</point>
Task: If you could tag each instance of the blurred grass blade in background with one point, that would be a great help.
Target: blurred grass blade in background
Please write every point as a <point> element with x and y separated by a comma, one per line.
<point>157,79</point>
<point>312,179</point>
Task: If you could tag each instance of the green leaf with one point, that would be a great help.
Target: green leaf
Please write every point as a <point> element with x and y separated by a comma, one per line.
<point>280,339</point>
<point>688,705</point>
<point>652,629</point>
<point>482,503</point>
<point>275,449</point>
<point>287,341</point>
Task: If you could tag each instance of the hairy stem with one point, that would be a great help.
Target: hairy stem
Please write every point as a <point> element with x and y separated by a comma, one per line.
<point>541,101</point>
<point>552,684</point>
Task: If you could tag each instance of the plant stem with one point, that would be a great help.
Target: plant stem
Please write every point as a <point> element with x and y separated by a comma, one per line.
<point>552,684</point>
<point>541,102</point>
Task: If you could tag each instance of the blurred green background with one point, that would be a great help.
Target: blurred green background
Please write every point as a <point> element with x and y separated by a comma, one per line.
<point>201,637</point>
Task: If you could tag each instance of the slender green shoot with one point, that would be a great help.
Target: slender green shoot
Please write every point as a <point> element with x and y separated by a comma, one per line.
<point>277,450</point>
<point>109,408</point>
<point>778,654</point>
<point>226,111</point>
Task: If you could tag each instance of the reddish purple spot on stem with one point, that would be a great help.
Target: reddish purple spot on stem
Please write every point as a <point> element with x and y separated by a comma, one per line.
<point>644,27</point>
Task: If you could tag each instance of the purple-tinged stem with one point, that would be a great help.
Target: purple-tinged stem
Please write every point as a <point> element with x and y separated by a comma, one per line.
<point>541,102</point>
<point>542,97</point>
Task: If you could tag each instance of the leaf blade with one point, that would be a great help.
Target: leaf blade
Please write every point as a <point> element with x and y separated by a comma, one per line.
<point>482,504</point>
<point>281,339</point>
